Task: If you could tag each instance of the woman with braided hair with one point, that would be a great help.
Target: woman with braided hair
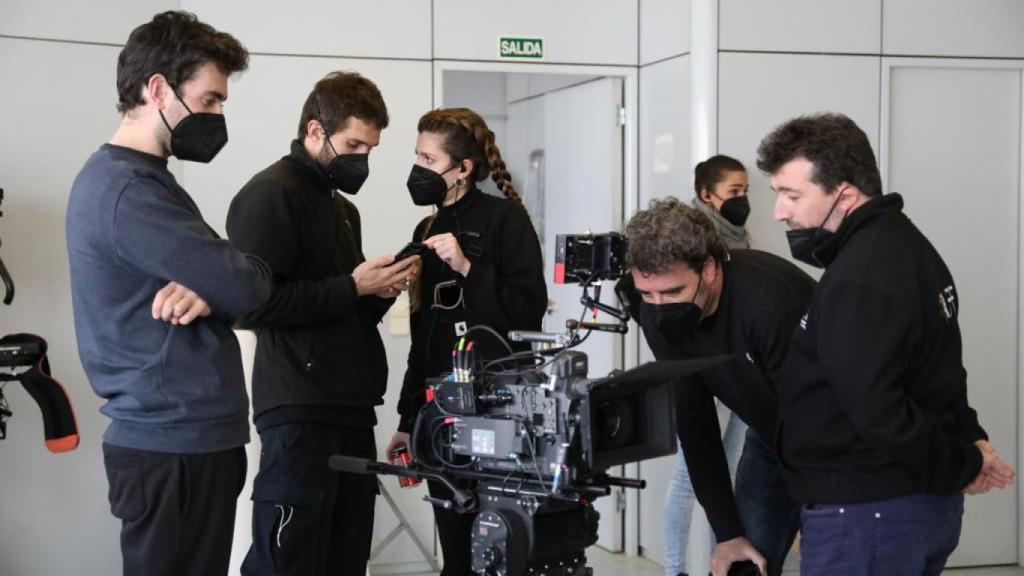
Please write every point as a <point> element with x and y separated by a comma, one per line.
<point>484,267</point>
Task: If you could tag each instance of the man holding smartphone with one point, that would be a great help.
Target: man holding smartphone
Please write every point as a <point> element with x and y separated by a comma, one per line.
<point>320,365</point>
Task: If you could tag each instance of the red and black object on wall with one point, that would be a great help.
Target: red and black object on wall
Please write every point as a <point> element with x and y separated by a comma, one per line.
<point>23,359</point>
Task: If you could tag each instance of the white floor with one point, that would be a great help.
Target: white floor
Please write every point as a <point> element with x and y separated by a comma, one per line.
<point>608,564</point>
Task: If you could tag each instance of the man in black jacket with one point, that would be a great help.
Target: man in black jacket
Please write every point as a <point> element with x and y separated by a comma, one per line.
<point>693,299</point>
<point>320,366</point>
<point>876,437</point>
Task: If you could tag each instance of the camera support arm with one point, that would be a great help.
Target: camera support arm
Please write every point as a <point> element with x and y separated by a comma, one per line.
<point>594,302</point>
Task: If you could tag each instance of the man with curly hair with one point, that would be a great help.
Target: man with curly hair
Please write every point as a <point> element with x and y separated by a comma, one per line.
<point>692,298</point>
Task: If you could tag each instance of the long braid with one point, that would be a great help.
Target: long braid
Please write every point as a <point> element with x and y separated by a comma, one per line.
<point>499,173</point>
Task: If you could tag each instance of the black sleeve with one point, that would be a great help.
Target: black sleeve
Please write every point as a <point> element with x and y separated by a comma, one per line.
<point>372,308</point>
<point>967,424</point>
<point>701,439</point>
<point>413,394</point>
<point>260,221</point>
<point>515,294</point>
<point>412,397</point>
<point>772,331</point>
<point>862,348</point>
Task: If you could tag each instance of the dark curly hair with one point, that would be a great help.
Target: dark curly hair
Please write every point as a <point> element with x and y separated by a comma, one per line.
<point>175,44</point>
<point>670,232</point>
<point>837,147</point>
<point>340,96</point>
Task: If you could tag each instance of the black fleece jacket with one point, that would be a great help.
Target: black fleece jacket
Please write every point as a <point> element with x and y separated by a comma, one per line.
<point>875,398</point>
<point>504,289</point>
<point>318,347</point>
<point>762,299</point>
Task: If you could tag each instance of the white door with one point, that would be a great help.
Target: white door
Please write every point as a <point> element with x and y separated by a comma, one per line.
<point>583,192</point>
<point>951,139</point>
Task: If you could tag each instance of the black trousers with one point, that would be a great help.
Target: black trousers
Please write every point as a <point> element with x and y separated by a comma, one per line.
<point>177,511</point>
<point>453,530</point>
<point>308,519</point>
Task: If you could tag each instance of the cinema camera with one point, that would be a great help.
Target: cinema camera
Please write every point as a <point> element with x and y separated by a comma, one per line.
<point>524,442</point>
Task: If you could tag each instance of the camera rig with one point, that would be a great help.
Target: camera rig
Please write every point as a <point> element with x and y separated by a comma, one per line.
<point>23,359</point>
<point>524,442</point>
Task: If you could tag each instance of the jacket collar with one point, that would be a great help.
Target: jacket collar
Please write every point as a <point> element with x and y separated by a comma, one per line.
<point>300,157</point>
<point>860,218</point>
<point>463,204</point>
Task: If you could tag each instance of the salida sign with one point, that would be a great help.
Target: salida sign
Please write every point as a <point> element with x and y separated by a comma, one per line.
<point>520,48</point>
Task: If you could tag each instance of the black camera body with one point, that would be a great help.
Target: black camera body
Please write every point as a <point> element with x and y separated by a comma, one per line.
<point>587,258</point>
<point>524,442</point>
<point>533,446</point>
<point>557,428</point>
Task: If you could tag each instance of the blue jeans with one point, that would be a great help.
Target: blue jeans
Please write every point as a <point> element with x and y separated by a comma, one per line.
<point>907,536</point>
<point>770,518</point>
<point>679,499</point>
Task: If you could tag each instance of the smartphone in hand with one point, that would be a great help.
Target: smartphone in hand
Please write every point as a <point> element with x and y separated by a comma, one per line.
<point>411,249</point>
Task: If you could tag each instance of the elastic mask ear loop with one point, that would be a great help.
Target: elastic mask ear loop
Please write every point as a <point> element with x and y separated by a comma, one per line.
<point>189,110</point>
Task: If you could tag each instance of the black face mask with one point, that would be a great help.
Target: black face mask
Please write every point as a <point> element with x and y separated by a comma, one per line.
<point>735,210</point>
<point>426,186</point>
<point>671,321</point>
<point>805,243</point>
<point>199,136</point>
<point>347,171</point>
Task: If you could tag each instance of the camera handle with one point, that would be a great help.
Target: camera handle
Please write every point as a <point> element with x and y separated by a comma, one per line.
<point>462,500</point>
<point>8,283</point>
<point>4,274</point>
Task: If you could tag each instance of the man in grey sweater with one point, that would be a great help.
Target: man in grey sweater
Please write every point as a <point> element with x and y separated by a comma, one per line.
<point>155,292</point>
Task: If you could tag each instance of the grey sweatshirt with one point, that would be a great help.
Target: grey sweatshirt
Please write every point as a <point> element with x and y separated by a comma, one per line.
<point>130,230</point>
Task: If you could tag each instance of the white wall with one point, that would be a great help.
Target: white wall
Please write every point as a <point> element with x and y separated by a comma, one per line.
<point>57,104</point>
<point>78,21</point>
<point>934,108</point>
<point>664,29</point>
<point>836,26</point>
<point>985,28</point>
<point>56,107</point>
<point>576,32</point>
<point>665,157</point>
<point>782,59</point>
<point>392,29</point>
